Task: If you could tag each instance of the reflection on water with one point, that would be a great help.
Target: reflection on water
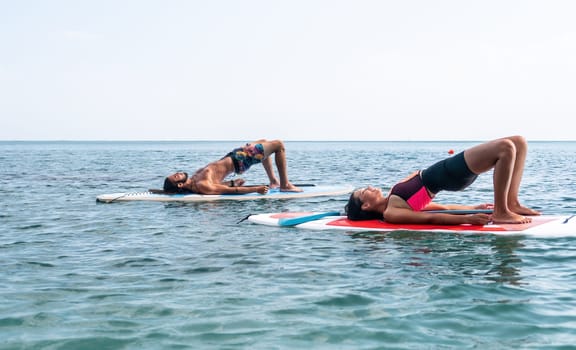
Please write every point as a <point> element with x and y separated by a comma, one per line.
<point>475,256</point>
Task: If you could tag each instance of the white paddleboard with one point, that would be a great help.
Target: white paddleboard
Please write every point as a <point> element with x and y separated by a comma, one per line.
<point>545,225</point>
<point>308,191</point>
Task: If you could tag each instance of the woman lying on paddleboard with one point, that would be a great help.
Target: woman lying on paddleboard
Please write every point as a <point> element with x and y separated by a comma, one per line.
<point>408,200</point>
<point>210,179</point>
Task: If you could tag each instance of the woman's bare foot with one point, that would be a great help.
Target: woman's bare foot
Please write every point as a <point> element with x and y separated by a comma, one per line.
<point>522,210</point>
<point>510,218</point>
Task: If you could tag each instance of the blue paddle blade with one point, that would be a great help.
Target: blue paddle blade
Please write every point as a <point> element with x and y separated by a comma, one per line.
<point>305,218</point>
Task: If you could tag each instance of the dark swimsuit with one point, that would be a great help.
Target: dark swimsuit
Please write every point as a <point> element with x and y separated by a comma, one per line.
<point>450,174</point>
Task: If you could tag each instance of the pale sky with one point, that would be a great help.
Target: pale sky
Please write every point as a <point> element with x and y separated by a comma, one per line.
<point>292,70</point>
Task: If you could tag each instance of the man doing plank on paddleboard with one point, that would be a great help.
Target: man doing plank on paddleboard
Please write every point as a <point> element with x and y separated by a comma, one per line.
<point>210,179</point>
<point>408,200</point>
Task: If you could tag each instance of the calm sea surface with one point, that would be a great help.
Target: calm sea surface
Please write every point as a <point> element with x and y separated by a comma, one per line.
<point>76,274</point>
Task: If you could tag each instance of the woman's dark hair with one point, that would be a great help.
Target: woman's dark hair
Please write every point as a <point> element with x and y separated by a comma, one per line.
<point>170,186</point>
<point>354,210</point>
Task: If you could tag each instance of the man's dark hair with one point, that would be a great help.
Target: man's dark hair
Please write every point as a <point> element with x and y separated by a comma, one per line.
<point>354,210</point>
<point>170,186</point>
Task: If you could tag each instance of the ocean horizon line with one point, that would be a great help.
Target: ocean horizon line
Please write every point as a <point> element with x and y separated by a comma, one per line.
<point>285,140</point>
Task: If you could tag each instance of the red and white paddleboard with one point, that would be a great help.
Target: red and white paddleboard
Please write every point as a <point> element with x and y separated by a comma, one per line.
<point>546,225</point>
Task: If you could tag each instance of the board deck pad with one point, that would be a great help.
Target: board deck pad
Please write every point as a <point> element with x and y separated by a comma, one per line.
<point>308,191</point>
<point>540,225</point>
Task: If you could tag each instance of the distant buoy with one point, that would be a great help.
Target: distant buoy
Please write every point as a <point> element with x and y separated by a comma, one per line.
<point>451,152</point>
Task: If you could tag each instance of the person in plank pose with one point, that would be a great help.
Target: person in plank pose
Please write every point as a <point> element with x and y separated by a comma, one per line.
<point>408,200</point>
<point>210,178</point>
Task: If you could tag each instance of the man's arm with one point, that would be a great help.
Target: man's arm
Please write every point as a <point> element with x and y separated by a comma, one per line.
<point>211,188</point>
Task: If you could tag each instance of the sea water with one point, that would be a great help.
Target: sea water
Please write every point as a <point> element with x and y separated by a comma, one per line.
<point>77,274</point>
